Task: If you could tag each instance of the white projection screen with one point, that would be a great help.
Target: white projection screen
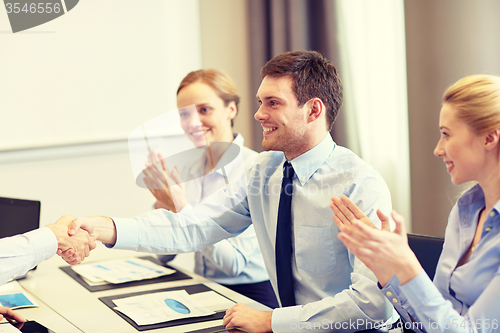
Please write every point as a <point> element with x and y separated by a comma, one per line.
<point>96,72</point>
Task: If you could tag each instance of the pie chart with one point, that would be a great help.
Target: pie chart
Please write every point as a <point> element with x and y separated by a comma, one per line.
<point>177,306</point>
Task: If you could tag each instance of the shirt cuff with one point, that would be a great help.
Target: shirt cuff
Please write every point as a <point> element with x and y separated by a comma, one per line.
<point>392,285</point>
<point>419,290</point>
<point>44,242</point>
<point>396,297</point>
<point>127,234</point>
<point>287,319</point>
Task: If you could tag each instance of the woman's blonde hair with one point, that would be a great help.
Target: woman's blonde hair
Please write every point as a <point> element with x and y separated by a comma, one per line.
<point>219,81</point>
<point>476,98</point>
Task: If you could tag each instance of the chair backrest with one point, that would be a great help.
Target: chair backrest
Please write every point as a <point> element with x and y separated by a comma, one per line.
<point>428,250</point>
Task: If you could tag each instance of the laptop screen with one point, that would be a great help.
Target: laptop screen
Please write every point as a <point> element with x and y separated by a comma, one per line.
<point>18,216</point>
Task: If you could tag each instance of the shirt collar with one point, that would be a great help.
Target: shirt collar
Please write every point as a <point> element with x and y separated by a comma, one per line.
<point>238,139</point>
<point>472,195</point>
<point>475,195</point>
<point>308,163</point>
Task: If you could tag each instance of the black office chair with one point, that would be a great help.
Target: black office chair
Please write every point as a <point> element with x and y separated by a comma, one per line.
<point>427,249</point>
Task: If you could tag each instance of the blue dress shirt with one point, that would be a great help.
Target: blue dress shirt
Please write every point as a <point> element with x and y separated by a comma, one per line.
<point>464,298</point>
<point>331,285</point>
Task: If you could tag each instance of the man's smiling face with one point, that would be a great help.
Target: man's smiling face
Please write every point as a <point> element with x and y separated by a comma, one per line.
<point>284,123</point>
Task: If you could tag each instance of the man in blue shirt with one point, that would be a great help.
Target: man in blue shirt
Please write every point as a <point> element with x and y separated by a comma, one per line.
<point>299,98</point>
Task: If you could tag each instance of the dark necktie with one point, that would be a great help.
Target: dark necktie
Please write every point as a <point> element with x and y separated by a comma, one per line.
<point>284,239</point>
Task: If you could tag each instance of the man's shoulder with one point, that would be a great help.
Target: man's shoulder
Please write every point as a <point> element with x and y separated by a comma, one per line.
<point>344,156</point>
<point>344,163</point>
<point>266,162</point>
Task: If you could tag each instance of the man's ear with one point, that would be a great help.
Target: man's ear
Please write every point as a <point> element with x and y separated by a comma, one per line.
<point>316,109</point>
<point>492,139</point>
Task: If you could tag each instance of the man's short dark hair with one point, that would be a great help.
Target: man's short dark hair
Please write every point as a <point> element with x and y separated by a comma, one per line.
<point>312,75</point>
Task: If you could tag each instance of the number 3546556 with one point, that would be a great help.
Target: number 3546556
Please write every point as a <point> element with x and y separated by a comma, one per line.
<point>32,8</point>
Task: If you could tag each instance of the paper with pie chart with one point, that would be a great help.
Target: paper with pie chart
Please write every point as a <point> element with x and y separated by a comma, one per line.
<point>160,307</point>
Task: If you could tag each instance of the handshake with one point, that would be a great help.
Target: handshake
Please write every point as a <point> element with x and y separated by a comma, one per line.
<point>76,237</point>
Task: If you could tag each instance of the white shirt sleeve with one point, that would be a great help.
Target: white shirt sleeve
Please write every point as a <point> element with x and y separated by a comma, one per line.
<point>20,253</point>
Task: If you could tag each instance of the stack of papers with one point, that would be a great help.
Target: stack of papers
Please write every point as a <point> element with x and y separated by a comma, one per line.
<point>160,307</point>
<point>120,271</point>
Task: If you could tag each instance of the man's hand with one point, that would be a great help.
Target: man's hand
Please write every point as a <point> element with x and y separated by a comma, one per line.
<point>77,246</point>
<point>102,228</point>
<point>243,316</point>
<point>166,186</point>
<point>10,315</point>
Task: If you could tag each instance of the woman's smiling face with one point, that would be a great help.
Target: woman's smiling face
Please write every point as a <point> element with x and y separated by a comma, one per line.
<point>212,122</point>
<point>461,149</point>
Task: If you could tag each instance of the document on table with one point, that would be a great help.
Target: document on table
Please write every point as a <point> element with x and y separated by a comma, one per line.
<point>166,306</point>
<point>14,296</point>
<point>121,270</point>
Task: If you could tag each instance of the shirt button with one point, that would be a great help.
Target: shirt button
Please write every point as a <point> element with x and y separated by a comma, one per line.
<point>492,213</point>
<point>302,179</point>
<point>388,293</point>
<point>487,229</point>
<point>394,300</point>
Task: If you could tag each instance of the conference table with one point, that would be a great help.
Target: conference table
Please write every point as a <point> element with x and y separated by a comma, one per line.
<point>65,306</point>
